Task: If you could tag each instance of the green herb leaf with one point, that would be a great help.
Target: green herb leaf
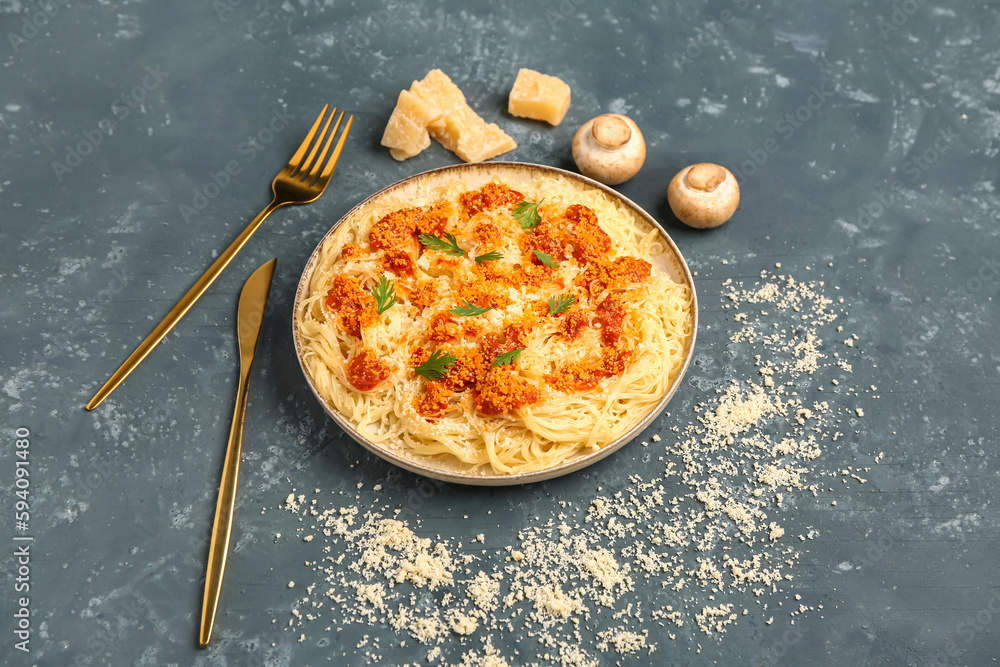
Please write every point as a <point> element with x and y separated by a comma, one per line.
<point>436,366</point>
<point>546,259</point>
<point>489,257</point>
<point>449,246</point>
<point>527,215</point>
<point>385,293</point>
<point>470,309</point>
<point>508,357</point>
<point>560,304</point>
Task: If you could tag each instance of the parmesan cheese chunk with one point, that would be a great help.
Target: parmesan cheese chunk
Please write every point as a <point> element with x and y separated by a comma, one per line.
<point>539,97</point>
<point>406,133</point>
<point>439,91</point>
<point>436,107</point>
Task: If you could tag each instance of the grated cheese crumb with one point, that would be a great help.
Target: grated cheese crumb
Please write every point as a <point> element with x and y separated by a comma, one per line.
<point>751,446</point>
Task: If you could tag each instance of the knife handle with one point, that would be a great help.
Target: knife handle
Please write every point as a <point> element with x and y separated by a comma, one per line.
<point>223,527</point>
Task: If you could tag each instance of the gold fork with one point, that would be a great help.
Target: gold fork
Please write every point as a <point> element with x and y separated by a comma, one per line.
<point>300,182</point>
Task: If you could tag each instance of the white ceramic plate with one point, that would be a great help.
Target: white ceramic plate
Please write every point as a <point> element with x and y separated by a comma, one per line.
<point>475,175</point>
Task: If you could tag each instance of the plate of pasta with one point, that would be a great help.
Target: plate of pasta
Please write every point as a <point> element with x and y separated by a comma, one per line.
<point>495,323</point>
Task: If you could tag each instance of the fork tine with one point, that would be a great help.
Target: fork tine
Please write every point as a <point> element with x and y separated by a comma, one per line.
<point>319,141</point>
<point>297,158</point>
<point>324,178</point>
<point>326,148</point>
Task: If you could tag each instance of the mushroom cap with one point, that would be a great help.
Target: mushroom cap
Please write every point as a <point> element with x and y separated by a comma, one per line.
<point>704,195</point>
<point>609,148</point>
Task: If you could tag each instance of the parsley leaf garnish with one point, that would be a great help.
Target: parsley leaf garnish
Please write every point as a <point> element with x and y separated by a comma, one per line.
<point>436,365</point>
<point>489,257</point>
<point>546,259</point>
<point>527,215</point>
<point>508,357</point>
<point>470,309</point>
<point>560,304</point>
<point>449,246</point>
<point>385,293</point>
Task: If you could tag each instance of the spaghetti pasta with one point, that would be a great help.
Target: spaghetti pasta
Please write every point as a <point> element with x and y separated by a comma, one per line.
<point>526,325</point>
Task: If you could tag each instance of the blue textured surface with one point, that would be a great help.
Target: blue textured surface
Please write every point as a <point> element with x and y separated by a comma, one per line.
<point>96,249</point>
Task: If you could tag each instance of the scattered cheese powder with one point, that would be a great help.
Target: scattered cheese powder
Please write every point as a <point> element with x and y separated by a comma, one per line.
<point>707,531</point>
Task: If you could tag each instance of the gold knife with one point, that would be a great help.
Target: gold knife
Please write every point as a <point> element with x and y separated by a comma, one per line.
<point>250,316</point>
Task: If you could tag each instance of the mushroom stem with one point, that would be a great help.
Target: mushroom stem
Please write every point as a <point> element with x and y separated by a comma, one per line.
<point>611,132</point>
<point>705,176</point>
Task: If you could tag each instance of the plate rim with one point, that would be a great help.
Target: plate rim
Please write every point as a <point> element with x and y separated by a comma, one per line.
<point>565,468</point>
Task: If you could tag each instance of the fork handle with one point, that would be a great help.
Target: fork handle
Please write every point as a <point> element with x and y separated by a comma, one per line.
<point>222,528</point>
<point>182,307</point>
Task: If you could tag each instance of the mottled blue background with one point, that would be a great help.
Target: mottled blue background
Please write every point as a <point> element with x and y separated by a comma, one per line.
<point>96,249</point>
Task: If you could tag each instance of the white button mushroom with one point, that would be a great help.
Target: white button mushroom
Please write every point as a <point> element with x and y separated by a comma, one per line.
<point>704,195</point>
<point>609,149</point>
